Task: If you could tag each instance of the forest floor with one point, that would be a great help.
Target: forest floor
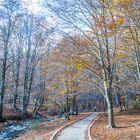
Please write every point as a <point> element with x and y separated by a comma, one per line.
<point>45,131</point>
<point>8,114</point>
<point>127,127</point>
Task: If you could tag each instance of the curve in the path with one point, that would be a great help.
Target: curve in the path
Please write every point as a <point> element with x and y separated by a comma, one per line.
<point>77,130</point>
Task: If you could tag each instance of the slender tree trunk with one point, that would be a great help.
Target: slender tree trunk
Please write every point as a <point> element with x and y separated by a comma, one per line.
<point>17,70</point>
<point>2,93</point>
<point>3,84</point>
<point>1,102</point>
<point>67,108</point>
<point>2,96</point>
<point>26,80</point>
<point>104,104</point>
<point>14,104</point>
<point>76,108</point>
<point>30,83</point>
<point>89,104</point>
<point>24,104</point>
<point>108,94</point>
<point>25,94</point>
<point>118,101</point>
<point>73,104</point>
<point>126,101</point>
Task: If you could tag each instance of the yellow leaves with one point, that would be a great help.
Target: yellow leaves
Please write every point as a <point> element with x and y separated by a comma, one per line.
<point>79,67</point>
<point>63,91</point>
<point>55,84</point>
<point>72,89</point>
<point>128,62</point>
<point>121,55</point>
<point>76,89</point>
<point>138,98</point>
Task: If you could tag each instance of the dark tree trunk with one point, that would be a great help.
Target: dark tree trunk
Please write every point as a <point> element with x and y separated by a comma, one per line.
<point>89,104</point>
<point>76,108</point>
<point>126,101</point>
<point>104,104</point>
<point>67,108</point>
<point>1,103</point>
<point>73,105</point>
<point>118,93</point>
<point>24,104</point>
<point>14,104</point>
<point>3,84</point>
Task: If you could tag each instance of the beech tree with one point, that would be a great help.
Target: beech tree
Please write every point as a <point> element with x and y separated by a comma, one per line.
<point>97,23</point>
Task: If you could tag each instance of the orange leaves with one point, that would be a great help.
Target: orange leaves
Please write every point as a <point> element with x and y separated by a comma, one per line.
<point>125,5</point>
<point>124,2</point>
<point>118,22</point>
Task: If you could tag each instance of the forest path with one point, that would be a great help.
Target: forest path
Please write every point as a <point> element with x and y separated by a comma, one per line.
<point>77,130</point>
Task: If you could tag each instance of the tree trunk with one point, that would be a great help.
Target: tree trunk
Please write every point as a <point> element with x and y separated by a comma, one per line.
<point>76,108</point>
<point>126,101</point>
<point>104,104</point>
<point>118,101</point>
<point>2,96</point>
<point>16,73</point>
<point>67,108</point>
<point>14,104</point>
<point>3,84</point>
<point>111,123</point>
<point>108,97</point>
<point>1,103</point>
<point>118,93</point>
<point>89,104</point>
<point>73,104</point>
<point>24,105</point>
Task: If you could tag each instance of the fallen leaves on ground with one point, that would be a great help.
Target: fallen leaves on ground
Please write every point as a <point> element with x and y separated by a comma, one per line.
<point>126,128</point>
